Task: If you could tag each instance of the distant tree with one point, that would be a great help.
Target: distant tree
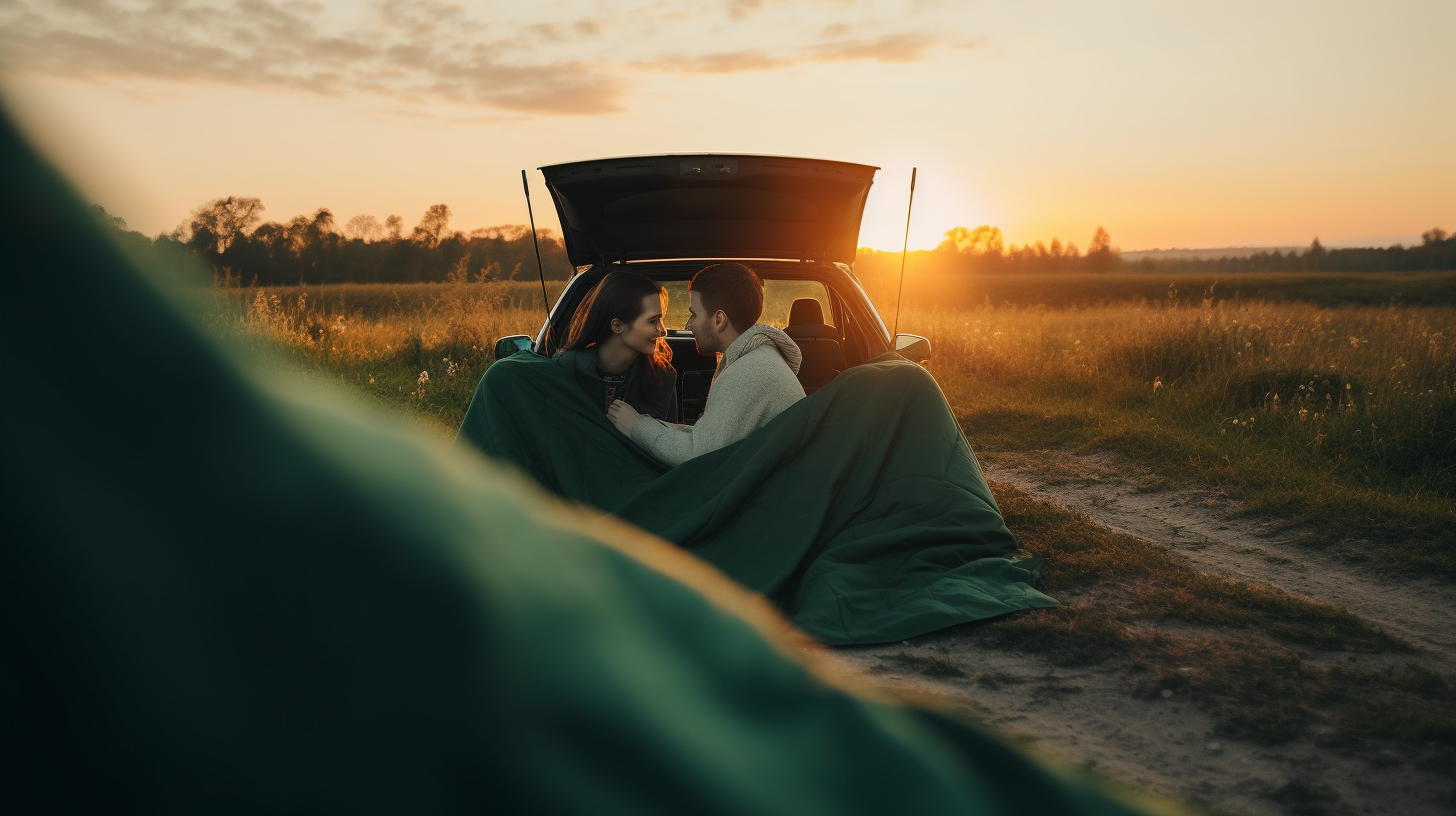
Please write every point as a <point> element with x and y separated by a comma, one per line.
<point>1101,254</point>
<point>431,229</point>
<point>323,221</point>
<point>115,222</point>
<point>364,228</point>
<point>983,240</point>
<point>214,226</point>
<point>1434,235</point>
<point>1313,259</point>
<point>394,227</point>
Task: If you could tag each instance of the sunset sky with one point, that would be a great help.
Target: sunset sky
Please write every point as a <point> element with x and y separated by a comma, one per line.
<point>1173,124</point>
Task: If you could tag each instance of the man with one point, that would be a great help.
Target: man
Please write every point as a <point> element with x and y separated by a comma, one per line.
<point>756,377</point>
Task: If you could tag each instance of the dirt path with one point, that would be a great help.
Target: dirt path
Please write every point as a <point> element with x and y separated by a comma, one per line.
<point>1204,530</point>
<point>1092,716</point>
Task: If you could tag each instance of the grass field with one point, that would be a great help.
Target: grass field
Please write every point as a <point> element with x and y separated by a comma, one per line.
<point>1326,407</point>
<point>1337,417</point>
<point>416,348</point>
<point>1339,420</point>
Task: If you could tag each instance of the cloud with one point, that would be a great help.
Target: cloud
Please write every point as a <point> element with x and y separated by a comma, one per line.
<point>742,9</point>
<point>419,50</point>
<point>899,48</point>
<point>905,47</point>
<point>429,50</point>
<point>739,9</point>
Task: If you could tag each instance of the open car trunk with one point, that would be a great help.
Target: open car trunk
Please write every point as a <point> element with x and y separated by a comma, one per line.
<point>709,206</point>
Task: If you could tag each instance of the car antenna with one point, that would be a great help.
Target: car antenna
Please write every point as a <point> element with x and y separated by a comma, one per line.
<point>901,291</point>
<point>545,301</point>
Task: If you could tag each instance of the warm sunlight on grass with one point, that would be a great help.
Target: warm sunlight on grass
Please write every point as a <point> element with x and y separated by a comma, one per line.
<point>420,347</point>
<point>1339,419</point>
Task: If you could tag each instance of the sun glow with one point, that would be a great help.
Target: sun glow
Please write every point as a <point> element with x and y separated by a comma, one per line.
<point>942,202</point>
<point>1042,121</point>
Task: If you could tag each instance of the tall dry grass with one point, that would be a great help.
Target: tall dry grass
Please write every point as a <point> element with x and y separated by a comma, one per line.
<point>1373,388</point>
<point>1341,418</point>
<point>420,347</point>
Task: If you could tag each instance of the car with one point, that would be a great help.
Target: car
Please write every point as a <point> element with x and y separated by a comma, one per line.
<point>794,221</point>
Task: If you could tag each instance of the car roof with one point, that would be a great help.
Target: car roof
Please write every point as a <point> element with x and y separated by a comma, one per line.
<point>709,205</point>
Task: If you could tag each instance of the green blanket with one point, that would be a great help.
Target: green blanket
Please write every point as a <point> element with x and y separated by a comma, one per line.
<point>861,510</point>
<point>229,590</point>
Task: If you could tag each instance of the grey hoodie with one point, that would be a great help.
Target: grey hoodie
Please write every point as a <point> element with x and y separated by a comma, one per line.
<point>760,385</point>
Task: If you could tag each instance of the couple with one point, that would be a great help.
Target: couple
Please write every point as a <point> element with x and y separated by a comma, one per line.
<point>617,340</point>
<point>861,511</point>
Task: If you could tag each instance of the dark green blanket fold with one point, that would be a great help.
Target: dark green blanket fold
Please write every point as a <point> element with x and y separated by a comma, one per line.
<point>860,510</point>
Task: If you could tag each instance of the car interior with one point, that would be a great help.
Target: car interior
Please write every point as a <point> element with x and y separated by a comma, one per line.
<point>810,312</point>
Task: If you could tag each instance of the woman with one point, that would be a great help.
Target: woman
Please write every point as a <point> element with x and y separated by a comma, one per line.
<point>616,349</point>
<point>617,345</point>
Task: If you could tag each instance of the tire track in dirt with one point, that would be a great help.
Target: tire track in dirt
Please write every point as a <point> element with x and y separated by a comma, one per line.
<point>1205,530</point>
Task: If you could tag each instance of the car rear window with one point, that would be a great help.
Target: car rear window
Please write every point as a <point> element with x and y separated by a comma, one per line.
<point>778,298</point>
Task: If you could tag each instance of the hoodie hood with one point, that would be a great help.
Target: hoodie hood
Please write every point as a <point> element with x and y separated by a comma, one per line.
<point>762,335</point>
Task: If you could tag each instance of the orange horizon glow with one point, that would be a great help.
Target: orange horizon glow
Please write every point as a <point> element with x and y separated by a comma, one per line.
<point>1172,126</point>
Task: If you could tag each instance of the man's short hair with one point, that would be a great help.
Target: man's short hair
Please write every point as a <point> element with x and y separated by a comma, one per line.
<point>733,288</point>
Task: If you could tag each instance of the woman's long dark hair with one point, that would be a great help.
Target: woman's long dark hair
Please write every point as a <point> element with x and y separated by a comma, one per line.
<point>619,297</point>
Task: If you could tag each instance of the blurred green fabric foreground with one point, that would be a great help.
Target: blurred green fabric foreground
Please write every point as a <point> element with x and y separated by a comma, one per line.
<point>860,511</point>
<point>227,590</point>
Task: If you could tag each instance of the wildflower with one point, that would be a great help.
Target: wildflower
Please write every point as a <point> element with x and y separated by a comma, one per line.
<point>1157,384</point>
<point>424,378</point>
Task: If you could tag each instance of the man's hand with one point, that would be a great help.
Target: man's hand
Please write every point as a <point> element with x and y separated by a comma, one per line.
<point>622,416</point>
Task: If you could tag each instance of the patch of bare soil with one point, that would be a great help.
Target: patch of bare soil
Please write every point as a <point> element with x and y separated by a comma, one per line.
<point>1102,718</point>
<point>1204,529</point>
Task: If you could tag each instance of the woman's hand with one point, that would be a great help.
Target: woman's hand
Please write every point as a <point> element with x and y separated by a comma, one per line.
<point>622,416</point>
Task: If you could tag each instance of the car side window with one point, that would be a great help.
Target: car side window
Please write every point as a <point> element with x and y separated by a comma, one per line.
<point>779,297</point>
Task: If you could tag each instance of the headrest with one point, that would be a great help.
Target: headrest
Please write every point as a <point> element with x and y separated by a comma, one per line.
<point>805,311</point>
<point>811,330</point>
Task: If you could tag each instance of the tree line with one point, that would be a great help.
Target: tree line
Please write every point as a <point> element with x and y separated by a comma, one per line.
<point>1437,251</point>
<point>949,270</point>
<point>233,242</point>
<point>982,250</point>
